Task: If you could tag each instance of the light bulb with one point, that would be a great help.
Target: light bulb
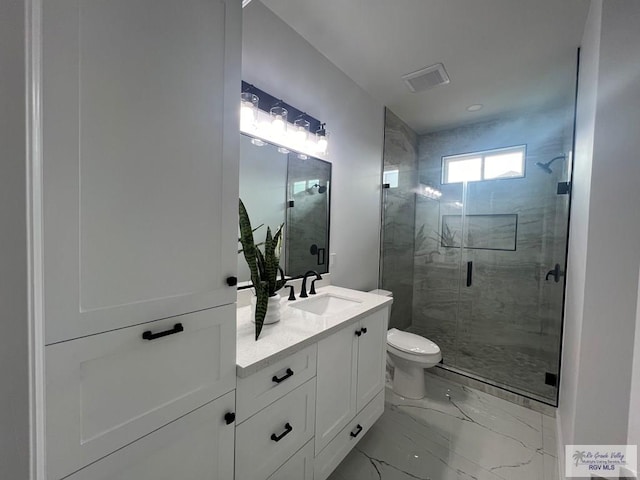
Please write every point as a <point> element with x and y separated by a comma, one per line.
<point>277,125</point>
<point>247,117</point>
<point>322,144</point>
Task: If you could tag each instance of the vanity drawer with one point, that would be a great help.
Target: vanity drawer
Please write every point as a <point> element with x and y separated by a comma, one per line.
<point>298,467</point>
<point>338,448</point>
<point>273,382</point>
<point>266,440</point>
<point>197,446</point>
<point>108,390</point>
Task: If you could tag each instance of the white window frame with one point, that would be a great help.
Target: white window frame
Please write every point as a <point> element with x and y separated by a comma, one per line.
<point>482,155</point>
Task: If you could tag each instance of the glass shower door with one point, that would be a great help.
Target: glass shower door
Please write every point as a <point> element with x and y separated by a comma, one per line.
<point>437,266</point>
<point>513,260</point>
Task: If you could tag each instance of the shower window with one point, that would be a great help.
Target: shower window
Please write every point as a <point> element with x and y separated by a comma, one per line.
<point>486,165</point>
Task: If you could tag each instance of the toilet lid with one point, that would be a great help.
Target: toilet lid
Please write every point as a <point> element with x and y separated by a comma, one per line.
<point>411,343</point>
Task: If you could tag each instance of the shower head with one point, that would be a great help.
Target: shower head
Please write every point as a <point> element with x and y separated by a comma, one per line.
<point>547,166</point>
<point>321,188</point>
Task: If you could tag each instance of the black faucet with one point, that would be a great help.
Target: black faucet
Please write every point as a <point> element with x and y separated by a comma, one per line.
<point>303,291</point>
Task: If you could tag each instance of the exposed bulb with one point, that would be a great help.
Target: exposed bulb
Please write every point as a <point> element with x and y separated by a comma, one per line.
<point>247,117</point>
<point>278,126</point>
<point>322,145</point>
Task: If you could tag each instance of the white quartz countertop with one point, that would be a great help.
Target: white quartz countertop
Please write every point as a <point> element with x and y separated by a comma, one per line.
<point>296,328</point>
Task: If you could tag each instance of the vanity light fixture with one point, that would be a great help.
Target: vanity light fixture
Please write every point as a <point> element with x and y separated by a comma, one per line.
<point>431,192</point>
<point>264,117</point>
<point>257,142</point>
<point>322,139</point>
<point>284,151</point>
<point>278,120</point>
<point>303,156</point>
<point>248,110</point>
<point>300,131</point>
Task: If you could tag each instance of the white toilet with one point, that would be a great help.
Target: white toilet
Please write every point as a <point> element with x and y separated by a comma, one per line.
<point>409,354</point>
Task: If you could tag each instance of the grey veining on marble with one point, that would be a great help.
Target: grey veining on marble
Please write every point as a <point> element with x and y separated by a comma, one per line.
<point>455,433</point>
<point>296,329</point>
<point>400,153</point>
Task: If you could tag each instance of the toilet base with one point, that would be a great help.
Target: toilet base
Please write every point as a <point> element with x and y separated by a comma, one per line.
<point>408,381</point>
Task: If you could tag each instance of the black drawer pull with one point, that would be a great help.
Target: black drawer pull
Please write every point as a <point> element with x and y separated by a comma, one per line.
<point>358,430</point>
<point>177,328</point>
<point>358,333</point>
<point>363,330</point>
<point>229,417</point>
<point>283,378</point>
<point>287,430</point>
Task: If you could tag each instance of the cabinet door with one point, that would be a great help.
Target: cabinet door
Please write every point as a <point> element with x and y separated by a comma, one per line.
<point>336,381</point>
<point>372,353</point>
<point>140,160</point>
<point>198,446</point>
<point>106,391</point>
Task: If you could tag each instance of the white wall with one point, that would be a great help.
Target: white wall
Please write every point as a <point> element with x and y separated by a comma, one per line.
<point>14,387</point>
<point>279,61</point>
<point>602,282</point>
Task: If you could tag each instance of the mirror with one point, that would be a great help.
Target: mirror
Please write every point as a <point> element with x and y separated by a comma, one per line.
<point>280,187</point>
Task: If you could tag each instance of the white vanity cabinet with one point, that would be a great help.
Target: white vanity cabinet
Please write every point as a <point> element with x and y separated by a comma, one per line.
<point>299,414</point>
<point>140,156</point>
<point>351,366</point>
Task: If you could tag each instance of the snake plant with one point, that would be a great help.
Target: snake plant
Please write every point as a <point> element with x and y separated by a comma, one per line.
<point>264,267</point>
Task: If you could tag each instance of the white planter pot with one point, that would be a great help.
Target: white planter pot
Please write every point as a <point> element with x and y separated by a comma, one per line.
<point>273,309</point>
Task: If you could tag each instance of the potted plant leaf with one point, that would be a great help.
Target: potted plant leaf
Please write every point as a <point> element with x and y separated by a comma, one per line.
<point>264,268</point>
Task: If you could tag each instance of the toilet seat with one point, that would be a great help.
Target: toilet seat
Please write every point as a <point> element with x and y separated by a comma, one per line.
<point>411,343</point>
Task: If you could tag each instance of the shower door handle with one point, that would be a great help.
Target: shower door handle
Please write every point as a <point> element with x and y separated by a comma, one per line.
<point>556,273</point>
<point>469,273</point>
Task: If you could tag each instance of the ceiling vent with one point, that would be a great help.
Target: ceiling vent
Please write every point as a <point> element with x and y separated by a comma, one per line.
<point>426,78</point>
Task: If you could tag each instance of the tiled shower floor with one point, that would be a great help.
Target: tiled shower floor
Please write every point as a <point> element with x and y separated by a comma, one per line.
<point>455,433</point>
<point>517,365</point>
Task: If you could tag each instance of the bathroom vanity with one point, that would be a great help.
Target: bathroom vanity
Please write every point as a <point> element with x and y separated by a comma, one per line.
<point>311,386</point>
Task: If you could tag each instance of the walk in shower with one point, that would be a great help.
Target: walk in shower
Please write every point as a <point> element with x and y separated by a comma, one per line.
<point>475,226</point>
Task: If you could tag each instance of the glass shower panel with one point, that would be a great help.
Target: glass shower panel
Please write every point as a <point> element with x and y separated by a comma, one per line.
<point>510,308</point>
<point>437,257</point>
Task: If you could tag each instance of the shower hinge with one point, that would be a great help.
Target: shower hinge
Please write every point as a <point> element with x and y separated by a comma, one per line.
<point>551,379</point>
<point>290,203</point>
<point>564,188</point>
<point>386,185</point>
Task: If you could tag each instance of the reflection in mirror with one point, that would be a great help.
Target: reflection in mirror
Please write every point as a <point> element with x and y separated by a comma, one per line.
<point>307,238</point>
<point>270,179</point>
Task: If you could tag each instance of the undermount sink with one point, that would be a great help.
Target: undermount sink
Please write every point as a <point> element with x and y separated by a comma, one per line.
<point>325,304</point>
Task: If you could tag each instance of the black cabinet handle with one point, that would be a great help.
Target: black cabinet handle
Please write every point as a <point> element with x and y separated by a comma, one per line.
<point>358,333</point>
<point>287,430</point>
<point>357,432</point>
<point>363,330</point>
<point>177,328</point>
<point>229,417</point>
<point>284,377</point>
<point>469,273</point>
<point>232,281</point>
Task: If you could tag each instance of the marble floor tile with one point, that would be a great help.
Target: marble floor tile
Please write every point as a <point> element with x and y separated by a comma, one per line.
<point>454,433</point>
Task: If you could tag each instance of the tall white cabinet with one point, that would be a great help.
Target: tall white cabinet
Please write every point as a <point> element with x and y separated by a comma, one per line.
<point>140,187</point>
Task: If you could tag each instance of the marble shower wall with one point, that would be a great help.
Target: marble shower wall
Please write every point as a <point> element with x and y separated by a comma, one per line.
<point>505,327</point>
<point>401,154</point>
